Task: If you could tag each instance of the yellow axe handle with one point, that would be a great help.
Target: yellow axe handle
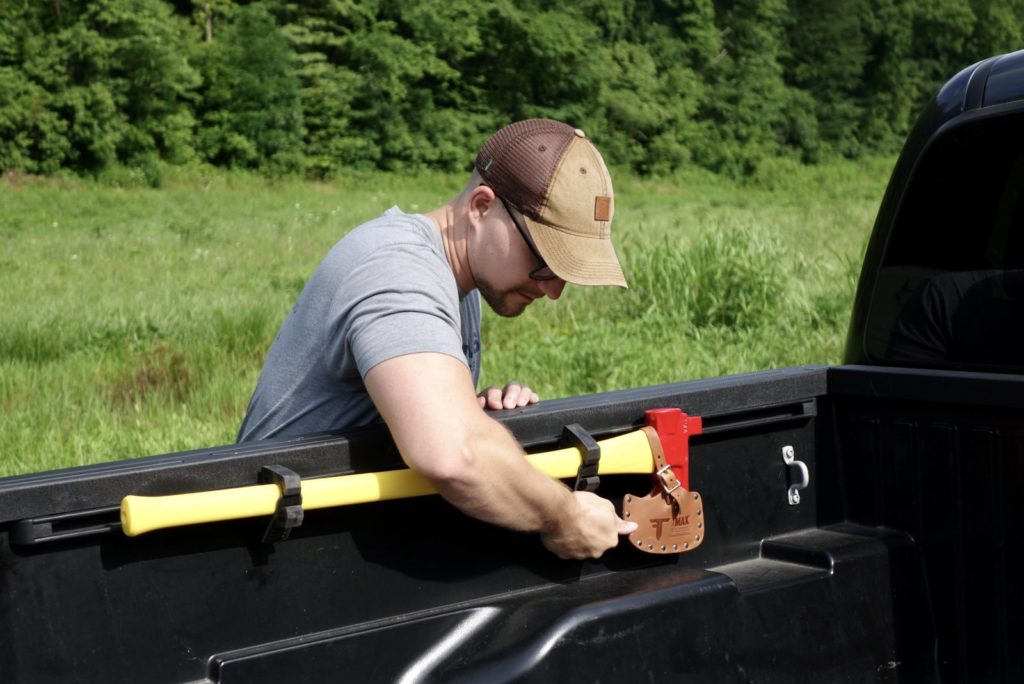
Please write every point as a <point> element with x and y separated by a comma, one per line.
<point>629,453</point>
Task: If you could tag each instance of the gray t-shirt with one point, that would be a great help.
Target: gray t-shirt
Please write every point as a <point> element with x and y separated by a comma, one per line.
<point>384,290</point>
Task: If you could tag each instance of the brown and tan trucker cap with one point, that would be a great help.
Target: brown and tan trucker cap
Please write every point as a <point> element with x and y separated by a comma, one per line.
<point>557,179</point>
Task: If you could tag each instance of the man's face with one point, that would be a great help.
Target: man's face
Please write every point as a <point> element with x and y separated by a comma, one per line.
<point>514,283</point>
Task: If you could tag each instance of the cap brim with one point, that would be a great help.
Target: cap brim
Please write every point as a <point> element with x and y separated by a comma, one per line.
<point>575,258</point>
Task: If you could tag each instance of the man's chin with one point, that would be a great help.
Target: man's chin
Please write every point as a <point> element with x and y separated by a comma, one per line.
<point>507,309</point>
<point>511,313</point>
<point>509,305</point>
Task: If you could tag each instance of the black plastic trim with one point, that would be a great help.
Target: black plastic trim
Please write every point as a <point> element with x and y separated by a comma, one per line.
<point>975,95</point>
<point>64,526</point>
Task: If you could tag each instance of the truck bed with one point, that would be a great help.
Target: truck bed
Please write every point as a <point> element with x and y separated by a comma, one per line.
<point>894,565</point>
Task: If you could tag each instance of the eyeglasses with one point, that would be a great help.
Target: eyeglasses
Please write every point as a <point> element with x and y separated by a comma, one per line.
<point>542,272</point>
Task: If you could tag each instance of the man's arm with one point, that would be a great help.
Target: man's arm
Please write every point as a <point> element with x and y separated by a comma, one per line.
<point>428,402</point>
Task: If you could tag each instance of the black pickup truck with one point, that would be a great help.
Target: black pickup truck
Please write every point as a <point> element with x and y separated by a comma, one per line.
<point>861,522</point>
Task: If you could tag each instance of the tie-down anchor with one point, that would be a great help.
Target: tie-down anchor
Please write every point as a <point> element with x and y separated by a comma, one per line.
<point>795,485</point>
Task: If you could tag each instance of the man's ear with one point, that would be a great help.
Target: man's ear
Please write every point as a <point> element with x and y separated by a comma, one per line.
<point>481,200</point>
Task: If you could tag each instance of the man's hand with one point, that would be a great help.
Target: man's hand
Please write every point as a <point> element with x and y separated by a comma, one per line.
<point>587,531</point>
<point>513,395</point>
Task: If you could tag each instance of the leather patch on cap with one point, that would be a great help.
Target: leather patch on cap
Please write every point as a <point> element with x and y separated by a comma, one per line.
<point>602,208</point>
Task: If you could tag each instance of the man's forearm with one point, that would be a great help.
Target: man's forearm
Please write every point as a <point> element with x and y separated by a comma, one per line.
<point>474,462</point>
<point>495,483</point>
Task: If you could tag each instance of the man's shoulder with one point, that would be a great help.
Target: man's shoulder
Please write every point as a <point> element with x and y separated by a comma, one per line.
<point>392,228</point>
<point>394,250</point>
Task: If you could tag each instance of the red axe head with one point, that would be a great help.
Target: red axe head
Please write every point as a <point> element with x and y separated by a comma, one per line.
<point>674,429</point>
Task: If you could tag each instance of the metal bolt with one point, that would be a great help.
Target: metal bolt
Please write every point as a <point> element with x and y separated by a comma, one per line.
<point>796,497</point>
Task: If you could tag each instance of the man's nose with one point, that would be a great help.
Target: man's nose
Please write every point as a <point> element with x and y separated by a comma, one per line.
<point>552,288</point>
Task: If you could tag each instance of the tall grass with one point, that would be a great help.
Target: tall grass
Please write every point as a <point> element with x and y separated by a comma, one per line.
<point>135,320</point>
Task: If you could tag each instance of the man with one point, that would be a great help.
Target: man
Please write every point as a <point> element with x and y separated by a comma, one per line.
<point>389,324</point>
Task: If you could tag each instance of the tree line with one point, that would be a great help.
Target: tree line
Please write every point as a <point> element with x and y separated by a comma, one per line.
<point>317,86</point>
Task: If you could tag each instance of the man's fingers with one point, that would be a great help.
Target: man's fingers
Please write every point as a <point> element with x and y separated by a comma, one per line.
<point>517,395</point>
<point>589,530</point>
<point>510,398</point>
<point>513,395</point>
<point>491,397</point>
<point>527,396</point>
<point>627,527</point>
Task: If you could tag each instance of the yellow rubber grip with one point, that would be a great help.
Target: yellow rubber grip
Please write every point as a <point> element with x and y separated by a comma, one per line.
<point>629,453</point>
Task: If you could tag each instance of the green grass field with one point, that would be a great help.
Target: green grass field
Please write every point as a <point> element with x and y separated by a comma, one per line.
<point>135,320</point>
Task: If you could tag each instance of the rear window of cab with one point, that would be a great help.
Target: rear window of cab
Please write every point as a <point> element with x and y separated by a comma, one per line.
<point>950,290</point>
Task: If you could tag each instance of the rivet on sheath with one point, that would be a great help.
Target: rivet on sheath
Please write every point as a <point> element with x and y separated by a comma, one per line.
<point>662,547</point>
<point>686,545</point>
<point>699,511</point>
<point>628,498</point>
<point>700,525</point>
<point>696,496</point>
<point>675,547</point>
<point>696,538</point>
<point>650,546</point>
<point>639,542</point>
<point>628,514</point>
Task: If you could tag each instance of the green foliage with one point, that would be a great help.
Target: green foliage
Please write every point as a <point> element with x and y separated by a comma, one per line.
<point>730,277</point>
<point>999,28</point>
<point>317,32</point>
<point>95,84</point>
<point>734,278</point>
<point>32,136</point>
<point>828,52</point>
<point>749,107</point>
<point>390,103</point>
<point>322,86</point>
<point>251,116</point>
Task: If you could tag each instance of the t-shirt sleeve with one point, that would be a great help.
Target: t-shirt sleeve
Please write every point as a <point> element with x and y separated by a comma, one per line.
<point>399,301</point>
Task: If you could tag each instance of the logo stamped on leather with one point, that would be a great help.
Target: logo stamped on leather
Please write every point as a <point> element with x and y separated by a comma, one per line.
<point>679,527</point>
<point>667,524</point>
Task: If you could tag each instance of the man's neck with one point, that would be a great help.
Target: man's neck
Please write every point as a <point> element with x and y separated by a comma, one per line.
<point>453,237</point>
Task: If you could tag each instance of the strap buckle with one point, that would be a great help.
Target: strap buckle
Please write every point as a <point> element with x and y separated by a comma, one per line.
<point>666,477</point>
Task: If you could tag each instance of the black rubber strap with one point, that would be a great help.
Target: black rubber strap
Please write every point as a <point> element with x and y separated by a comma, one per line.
<point>289,513</point>
<point>590,456</point>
